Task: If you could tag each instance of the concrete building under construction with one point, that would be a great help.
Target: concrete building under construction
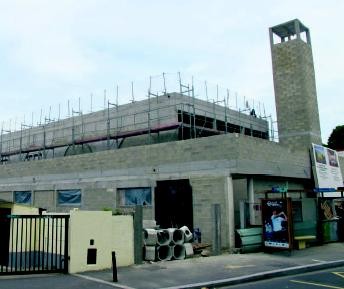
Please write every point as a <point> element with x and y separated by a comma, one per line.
<point>175,154</point>
<point>161,118</point>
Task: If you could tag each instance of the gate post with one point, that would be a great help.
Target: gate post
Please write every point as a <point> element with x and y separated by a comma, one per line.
<point>66,252</point>
<point>138,240</point>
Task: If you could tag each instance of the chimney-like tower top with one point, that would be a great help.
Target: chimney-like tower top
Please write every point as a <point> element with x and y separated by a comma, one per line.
<point>290,30</point>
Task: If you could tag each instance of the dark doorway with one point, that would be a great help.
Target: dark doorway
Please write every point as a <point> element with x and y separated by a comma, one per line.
<point>5,224</point>
<point>173,204</point>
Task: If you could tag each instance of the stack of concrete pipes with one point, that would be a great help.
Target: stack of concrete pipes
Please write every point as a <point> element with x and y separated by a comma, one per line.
<point>167,244</point>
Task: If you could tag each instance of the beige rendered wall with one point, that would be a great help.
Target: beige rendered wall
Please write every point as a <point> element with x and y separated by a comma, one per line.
<point>110,233</point>
<point>24,210</point>
<point>86,226</point>
<point>123,240</point>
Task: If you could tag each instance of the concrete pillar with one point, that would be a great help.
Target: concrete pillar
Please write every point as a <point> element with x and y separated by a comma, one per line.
<point>216,219</point>
<point>271,37</point>
<point>229,194</point>
<point>242,214</point>
<point>297,29</point>
<point>153,201</point>
<point>250,195</point>
<point>308,35</point>
<point>138,238</point>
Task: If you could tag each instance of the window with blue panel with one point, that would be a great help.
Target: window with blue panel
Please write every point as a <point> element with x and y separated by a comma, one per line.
<point>69,197</point>
<point>135,196</point>
<point>23,197</point>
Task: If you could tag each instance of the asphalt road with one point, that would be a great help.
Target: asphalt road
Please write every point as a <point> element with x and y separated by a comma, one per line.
<point>50,281</point>
<point>333,278</point>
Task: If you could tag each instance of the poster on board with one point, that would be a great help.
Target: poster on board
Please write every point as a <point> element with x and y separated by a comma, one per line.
<point>328,176</point>
<point>277,220</point>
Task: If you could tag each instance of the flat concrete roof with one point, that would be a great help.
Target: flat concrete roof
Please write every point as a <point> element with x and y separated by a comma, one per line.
<point>289,28</point>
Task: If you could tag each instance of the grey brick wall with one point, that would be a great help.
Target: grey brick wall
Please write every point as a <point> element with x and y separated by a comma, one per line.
<point>45,199</point>
<point>6,196</point>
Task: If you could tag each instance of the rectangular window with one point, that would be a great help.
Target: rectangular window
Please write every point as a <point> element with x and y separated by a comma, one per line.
<point>23,197</point>
<point>69,197</point>
<point>135,196</point>
<point>297,211</point>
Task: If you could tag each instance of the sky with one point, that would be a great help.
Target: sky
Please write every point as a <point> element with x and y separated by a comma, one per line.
<point>59,58</point>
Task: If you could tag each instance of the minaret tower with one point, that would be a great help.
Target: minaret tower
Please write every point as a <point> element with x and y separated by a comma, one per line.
<point>294,84</point>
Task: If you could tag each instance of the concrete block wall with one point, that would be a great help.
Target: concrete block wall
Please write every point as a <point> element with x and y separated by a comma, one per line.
<point>206,192</point>
<point>6,196</point>
<point>205,161</point>
<point>237,152</point>
<point>235,117</point>
<point>46,199</point>
<point>94,198</point>
<point>295,94</point>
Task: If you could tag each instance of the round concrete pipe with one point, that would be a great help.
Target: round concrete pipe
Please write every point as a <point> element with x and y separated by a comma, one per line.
<point>150,253</point>
<point>164,237</point>
<point>179,252</point>
<point>187,233</point>
<point>150,237</point>
<point>164,253</point>
<point>177,236</point>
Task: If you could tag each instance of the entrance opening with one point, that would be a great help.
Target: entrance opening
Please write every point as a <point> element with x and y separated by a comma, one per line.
<point>173,204</point>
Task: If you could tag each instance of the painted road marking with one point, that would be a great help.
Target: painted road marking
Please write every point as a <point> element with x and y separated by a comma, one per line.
<point>316,284</point>
<point>340,274</point>
<point>238,266</point>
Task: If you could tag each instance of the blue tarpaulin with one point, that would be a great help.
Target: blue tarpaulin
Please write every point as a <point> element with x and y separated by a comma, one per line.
<point>67,197</point>
<point>23,197</point>
<point>137,196</point>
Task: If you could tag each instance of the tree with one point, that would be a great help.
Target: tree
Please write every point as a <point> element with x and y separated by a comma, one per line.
<point>336,139</point>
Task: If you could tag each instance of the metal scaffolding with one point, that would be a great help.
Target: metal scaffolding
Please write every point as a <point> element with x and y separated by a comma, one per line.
<point>180,112</point>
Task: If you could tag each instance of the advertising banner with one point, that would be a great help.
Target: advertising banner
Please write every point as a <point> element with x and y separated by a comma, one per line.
<point>327,170</point>
<point>277,220</point>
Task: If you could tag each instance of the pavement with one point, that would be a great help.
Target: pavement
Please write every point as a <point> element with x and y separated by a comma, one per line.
<point>197,272</point>
<point>223,270</point>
